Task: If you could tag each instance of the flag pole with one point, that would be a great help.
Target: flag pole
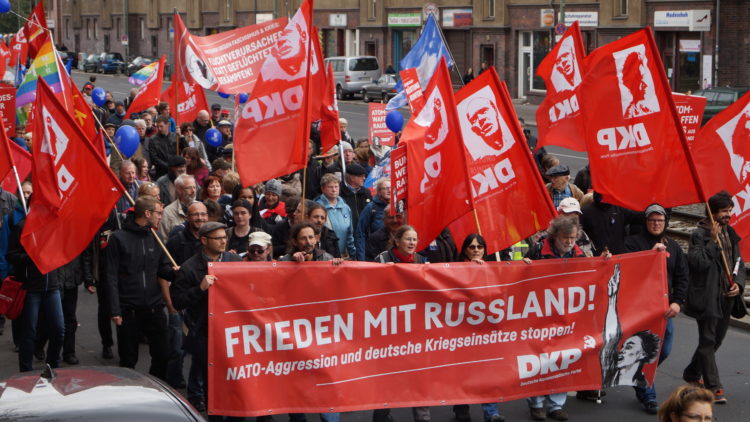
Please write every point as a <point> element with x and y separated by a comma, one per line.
<point>448,49</point>
<point>174,79</point>
<point>23,199</point>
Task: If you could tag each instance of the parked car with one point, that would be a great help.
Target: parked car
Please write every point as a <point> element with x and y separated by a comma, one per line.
<point>137,64</point>
<point>91,63</point>
<point>382,89</point>
<point>111,63</point>
<point>101,393</point>
<point>81,60</point>
<point>719,98</point>
<point>67,55</point>
<point>353,73</point>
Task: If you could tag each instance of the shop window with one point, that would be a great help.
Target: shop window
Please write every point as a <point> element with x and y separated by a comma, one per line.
<point>620,8</point>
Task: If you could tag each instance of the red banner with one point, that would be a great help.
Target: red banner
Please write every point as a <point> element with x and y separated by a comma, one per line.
<point>438,188</point>
<point>690,108</point>
<point>35,29</point>
<point>272,131</point>
<point>722,155</point>
<point>8,109</point>
<point>191,99</point>
<point>398,179</point>
<point>413,89</point>
<point>22,160</point>
<point>149,92</point>
<point>510,198</point>
<point>559,118</point>
<point>19,49</point>
<point>330,129</point>
<point>378,130</point>
<point>74,189</point>
<point>636,147</point>
<point>229,61</point>
<point>339,344</point>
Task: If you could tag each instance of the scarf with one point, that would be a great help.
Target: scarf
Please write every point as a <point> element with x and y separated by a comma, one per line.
<point>406,259</point>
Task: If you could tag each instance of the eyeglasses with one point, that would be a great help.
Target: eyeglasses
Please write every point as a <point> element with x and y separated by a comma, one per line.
<point>187,130</point>
<point>475,247</point>
<point>216,237</point>
<point>256,251</point>
<point>699,418</point>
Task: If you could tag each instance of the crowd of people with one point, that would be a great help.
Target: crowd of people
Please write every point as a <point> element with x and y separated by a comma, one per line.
<point>188,197</point>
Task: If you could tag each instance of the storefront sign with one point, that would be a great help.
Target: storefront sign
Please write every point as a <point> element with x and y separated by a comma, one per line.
<point>454,18</point>
<point>263,17</point>
<point>404,19</point>
<point>586,19</point>
<point>690,46</point>
<point>547,18</point>
<point>695,20</point>
<point>337,19</point>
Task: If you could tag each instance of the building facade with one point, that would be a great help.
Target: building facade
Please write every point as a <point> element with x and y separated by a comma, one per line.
<point>512,35</point>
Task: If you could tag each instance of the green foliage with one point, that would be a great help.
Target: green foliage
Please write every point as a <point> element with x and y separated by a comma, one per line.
<point>10,23</point>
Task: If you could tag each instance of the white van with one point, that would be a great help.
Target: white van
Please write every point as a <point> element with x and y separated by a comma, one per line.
<point>353,73</point>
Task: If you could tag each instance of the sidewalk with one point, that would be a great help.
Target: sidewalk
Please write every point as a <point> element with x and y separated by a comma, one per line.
<point>526,111</point>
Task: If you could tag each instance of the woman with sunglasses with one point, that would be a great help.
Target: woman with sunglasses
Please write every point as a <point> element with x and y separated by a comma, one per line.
<point>474,249</point>
<point>688,403</point>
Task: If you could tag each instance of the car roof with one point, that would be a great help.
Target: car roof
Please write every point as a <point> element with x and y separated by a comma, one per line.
<point>101,393</point>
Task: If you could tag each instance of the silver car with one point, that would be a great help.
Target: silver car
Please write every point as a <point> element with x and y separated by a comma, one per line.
<point>353,73</point>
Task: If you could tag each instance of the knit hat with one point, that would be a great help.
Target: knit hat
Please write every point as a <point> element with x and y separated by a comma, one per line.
<point>273,186</point>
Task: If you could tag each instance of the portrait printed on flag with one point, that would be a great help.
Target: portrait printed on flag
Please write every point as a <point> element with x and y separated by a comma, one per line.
<point>637,92</point>
<point>734,135</point>
<point>565,74</point>
<point>485,131</point>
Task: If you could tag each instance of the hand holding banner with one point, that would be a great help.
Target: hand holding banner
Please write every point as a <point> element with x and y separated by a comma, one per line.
<point>403,337</point>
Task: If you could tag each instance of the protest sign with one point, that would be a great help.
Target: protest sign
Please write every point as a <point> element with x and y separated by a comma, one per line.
<point>379,132</point>
<point>690,108</point>
<point>313,337</point>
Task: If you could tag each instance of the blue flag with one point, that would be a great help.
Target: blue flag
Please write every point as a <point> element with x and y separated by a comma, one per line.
<point>424,56</point>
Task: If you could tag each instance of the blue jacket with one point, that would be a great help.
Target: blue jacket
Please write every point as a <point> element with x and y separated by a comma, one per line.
<point>340,221</point>
<point>370,221</point>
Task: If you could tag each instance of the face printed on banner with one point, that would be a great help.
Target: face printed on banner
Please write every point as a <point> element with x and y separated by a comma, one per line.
<point>484,130</point>
<point>638,96</point>
<point>566,75</point>
<point>289,54</point>
<point>735,136</point>
<point>198,69</point>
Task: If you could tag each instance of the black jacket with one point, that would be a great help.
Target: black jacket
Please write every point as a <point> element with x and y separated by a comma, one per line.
<point>377,243</point>
<point>183,245</point>
<point>187,295</point>
<point>24,268</point>
<point>708,283</point>
<point>388,256</point>
<point>160,148</point>
<point>442,249</point>
<point>607,226</point>
<point>356,201</point>
<point>329,242</point>
<point>134,260</point>
<point>677,266</point>
<point>77,271</point>
<point>318,255</point>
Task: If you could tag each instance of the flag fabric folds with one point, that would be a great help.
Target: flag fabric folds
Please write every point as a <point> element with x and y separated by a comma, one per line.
<point>637,152</point>
<point>35,29</point>
<point>191,98</point>
<point>45,66</point>
<point>140,77</point>
<point>150,92</point>
<point>438,188</point>
<point>74,190</point>
<point>559,118</point>
<point>423,56</point>
<point>273,128</point>
<point>510,198</point>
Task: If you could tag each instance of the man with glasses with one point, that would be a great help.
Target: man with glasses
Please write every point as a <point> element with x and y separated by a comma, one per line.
<point>176,212</point>
<point>134,261</point>
<point>653,238</point>
<point>260,247</point>
<point>189,293</point>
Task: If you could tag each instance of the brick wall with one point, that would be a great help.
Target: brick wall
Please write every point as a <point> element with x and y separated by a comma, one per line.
<point>734,38</point>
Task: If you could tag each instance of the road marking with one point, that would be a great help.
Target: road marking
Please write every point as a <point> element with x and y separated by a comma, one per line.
<point>569,156</point>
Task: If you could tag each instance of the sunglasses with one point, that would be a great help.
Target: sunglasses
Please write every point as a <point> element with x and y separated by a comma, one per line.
<point>256,251</point>
<point>475,247</point>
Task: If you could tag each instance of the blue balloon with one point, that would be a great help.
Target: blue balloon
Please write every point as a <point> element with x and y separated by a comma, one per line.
<point>223,95</point>
<point>243,98</point>
<point>4,6</point>
<point>127,140</point>
<point>99,95</point>
<point>213,137</point>
<point>394,120</point>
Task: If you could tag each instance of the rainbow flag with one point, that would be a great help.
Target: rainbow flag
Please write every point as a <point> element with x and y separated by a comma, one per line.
<point>139,77</point>
<point>44,66</point>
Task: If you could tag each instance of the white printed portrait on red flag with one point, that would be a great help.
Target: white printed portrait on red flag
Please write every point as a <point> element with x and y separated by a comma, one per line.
<point>637,93</point>
<point>288,56</point>
<point>198,69</point>
<point>735,135</point>
<point>486,133</point>
<point>566,75</point>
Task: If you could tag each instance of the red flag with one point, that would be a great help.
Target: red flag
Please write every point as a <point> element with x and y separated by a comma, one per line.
<point>558,118</point>
<point>330,130</point>
<point>413,89</point>
<point>35,28</point>
<point>637,151</point>
<point>272,131</point>
<point>722,157</point>
<point>510,198</point>
<point>19,49</point>
<point>438,187</point>
<point>150,92</point>
<point>22,160</point>
<point>191,99</point>
<point>4,56</point>
<point>74,190</point>
<point>6,155</point>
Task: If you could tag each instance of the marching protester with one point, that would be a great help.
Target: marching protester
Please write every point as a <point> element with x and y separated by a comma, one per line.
<point>654,238</point>
<point>339,213</point>
<point>260,247</point>
<point>211,188</point>
<point>238,235</point>
<point>162,146</point>
<point>371,217</point>
<point>379,240</point>
<point>194,164</point>
<point>177,166</point>
<point>687,403</point>
<point>134,261</point>
<point>272,209</point>
<point>176,212</point>
<point>129,182</point>
<point>327,238</point>
<point>559,186</point>
<point>189,293</point>
<point>607,225</point>
<point>712,291</point>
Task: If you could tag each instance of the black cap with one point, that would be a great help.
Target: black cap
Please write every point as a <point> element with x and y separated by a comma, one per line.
<point>355,170</point>
<point>176,161</point>
<point>558,170</point>
<point>108,125</point>
<point>210,226</point>
<point>215,106</point>
<point>119,103</point>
